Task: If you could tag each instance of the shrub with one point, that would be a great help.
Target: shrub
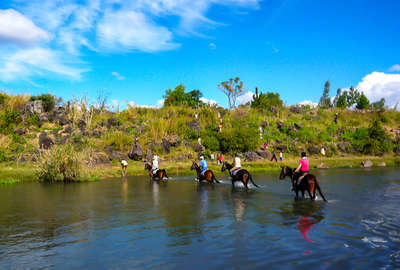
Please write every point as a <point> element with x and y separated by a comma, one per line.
<point>8,119</point>
<point>60,163</point>
<point>48,101</point>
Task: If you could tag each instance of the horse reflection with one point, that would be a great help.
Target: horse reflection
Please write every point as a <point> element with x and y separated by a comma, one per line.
<point>305,213</point>
<point>239,204</point>
<point>204,191</point>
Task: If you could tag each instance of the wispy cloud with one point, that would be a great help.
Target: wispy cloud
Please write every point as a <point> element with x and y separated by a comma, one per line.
<point>118,76</point>
<point>212,46</point>
<point>395,68</point>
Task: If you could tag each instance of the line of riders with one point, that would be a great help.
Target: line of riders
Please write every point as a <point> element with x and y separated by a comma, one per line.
<point>302,180</point>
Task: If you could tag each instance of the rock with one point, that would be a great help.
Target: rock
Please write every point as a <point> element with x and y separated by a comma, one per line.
<point>20,131</point>
<point>43,118</point>
<point>112,122</point>
<point>96,133</point>
<point>382,164</point>
<point>114,155</point>
<point>60,140</point>
<point>198,148</point>
<point>100,158</point>
<point>61,120</point>
<point>282,148</point>
<point>32,107</point>
<point>313,150</point>
<point>321,166</point>
<point>295,109</point>
<point>343,146</point>
<point>81,124</point>
<point>174,141</point>
<point>264,154</point>
<point>166,146</point>
<point>186,143</point>
<point>195,125</point>
<point>67,129</point>
<point>136,152</point>
<point>367,164</point>
<point>251,156</point>
<point>45,142</point>
<point>149,155</point>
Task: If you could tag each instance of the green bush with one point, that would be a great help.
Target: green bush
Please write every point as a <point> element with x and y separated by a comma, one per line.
<point>48,101</point>
<point>9,118</point>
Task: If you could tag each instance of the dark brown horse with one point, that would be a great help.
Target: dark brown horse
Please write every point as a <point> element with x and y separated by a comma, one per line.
<point>208,175</point>
<point>161,174</point>
<point>309,183</point>
<point>241,175</point>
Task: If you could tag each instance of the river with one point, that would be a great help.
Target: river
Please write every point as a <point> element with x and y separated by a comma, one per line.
<point>140,224</point>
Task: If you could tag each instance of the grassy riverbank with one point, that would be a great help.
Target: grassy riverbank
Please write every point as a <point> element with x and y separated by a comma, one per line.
<point>11,173</point>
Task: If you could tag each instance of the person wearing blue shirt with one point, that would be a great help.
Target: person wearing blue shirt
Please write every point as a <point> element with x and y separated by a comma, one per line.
<point>203,164</point>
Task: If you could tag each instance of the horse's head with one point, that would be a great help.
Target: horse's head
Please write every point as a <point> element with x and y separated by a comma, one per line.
<point>286,171</point>
<point>147,166</point>
<point>194,166</point>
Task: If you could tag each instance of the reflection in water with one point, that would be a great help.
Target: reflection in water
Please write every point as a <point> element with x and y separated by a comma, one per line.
<point>204,190</point>
<point>124,186</point>
<point>239,203</point>
<point>155,192</point>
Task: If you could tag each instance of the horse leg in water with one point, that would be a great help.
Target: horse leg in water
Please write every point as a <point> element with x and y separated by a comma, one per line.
<point>165,174</point>
<point>297,194</point>
<point>251,179</point>
<point>215,178</point>
<point>245,180</point>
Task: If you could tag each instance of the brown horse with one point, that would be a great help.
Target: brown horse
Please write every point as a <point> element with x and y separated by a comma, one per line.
<point>241,175</point>
<point>309,183</point>
<point>161,174</point>
<point>208,175</point>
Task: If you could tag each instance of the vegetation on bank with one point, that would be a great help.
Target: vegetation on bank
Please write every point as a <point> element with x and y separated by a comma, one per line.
<point>42,137</point>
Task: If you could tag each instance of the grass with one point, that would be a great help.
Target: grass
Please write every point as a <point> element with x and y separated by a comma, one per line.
<point>14,174</point>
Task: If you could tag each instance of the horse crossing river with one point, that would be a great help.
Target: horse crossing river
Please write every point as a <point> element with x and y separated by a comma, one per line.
<point>180,224</point>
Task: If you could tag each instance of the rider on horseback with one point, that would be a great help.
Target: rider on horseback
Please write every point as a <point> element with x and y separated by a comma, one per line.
<point>238,166</point>
<point>303,168</point>
<point>203,165</point>
<point>155,163</point>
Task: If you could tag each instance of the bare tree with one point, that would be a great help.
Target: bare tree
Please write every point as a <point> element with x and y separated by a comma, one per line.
<point>102,97</point>
<point>233,88</point>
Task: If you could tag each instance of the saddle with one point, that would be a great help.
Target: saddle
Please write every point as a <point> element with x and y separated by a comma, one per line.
<point>235,172</point>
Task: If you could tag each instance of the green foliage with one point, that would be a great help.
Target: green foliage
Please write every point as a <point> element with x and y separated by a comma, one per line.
<point>353,96</point>
<point>60,163</point>
<point>266,101</point>
<point>178,97</point>
<point>325,101</point>
<point>342,101</point>
<point>362,102</point>
<point>33,120</point>
<point>49,101</point>
<point>232,88</point>
<point>3,98</point>
<point>378,105</point>
<point>9,118</point>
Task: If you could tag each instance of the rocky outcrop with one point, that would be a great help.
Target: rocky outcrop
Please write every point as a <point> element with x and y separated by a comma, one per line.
<point>195,125</point>
<point>264,154</point>
<point>166,146</point>
<point>113,154</point>
<point>33,107</point>
<point>251,156</point>
<point>149,155</point>
<point>174,140</point>
<point>45,142</point>
<point>136,152</point>
<point>321,166</point>
<point>312,150</point>
<point>343,146</point>
<point>199,148</point>
<point>367,164</point>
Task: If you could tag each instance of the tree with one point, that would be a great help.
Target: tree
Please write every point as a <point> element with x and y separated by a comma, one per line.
<point>378,105</point>
<point>266,101</point>
<point>353,95</point>
<point>233,88</point>
<point>178,97</point>
<point>325,101</point>
<point>342,101</point>
<point>49,101</point>
<point>362,102</point>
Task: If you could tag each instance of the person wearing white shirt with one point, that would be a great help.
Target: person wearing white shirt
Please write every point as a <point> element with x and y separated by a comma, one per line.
<point>238,164</point>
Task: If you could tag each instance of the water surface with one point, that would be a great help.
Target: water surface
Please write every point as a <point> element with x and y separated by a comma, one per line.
<point>142,224</point>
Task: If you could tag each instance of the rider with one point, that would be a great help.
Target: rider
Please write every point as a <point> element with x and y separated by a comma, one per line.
<point>155,163</point>
<point>237,166</point>
<point>303,168</point>
<point>203,165</point>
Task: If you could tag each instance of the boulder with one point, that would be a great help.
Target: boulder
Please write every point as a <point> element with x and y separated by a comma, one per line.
<point>343,146</point>
<point>166,146</point>
<point>195,125</point>
<point>313,150</point>
<point>264,154</point>
<point>321,166</point>
<point>186,143</point>
<point>45,142</point>
<point>136,152</point>
<point>20,131</point>
<point>367,164</point>
<point>67,129</point>
<point>112,122</point>
<point>198,148</point>
<point>33,107</point>
<point>382,164</point>
<point>251,156</point>
<point>174,140</point>
<point>295,109</point>
<point>81,124</point>
<point>149,155</point>
<point>98,158</point>
<point>43,118</point>
<point>114,155</point>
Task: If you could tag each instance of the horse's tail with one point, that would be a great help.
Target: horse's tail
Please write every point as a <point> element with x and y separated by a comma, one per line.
<point>251,180</point>
<point>319,190</point>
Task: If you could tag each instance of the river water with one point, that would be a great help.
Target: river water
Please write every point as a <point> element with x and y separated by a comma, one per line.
<point>138,223</point>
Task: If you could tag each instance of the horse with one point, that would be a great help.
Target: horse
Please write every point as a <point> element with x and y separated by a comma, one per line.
<point>208,175</point>
<point>309,183</point>
<point>161,174</point>
<point>241,175</point>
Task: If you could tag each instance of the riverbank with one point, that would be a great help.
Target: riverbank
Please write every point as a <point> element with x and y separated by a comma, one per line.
<point>13,173</point>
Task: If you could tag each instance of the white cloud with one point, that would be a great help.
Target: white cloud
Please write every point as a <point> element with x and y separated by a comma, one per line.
<point>245,98</point>
<point>118,76</point>
<point>212,46</point>
<point>395,68</point>
<point>28,62</point>
<point>133,31</point>
<point>16,28</point>
<point>210,102</point>
<point>158,105</point>
<point>379,85</point>
<point>308,103</point>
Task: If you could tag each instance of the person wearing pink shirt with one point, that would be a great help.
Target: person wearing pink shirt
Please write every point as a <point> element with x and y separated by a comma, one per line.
<point>303,168</point>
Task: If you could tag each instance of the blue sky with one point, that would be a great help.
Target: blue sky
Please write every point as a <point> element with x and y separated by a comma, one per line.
<point>137,49</point>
